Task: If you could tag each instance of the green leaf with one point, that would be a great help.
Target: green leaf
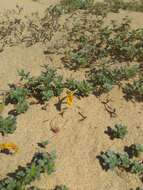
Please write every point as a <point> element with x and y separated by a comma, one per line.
<point>119,131</point>
<point>7,125</point>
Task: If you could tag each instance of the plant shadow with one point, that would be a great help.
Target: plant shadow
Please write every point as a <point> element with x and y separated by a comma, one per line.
<point>13,112</point>
<point>101,161</point>
<point>128,150</point>
<point>109,132</point>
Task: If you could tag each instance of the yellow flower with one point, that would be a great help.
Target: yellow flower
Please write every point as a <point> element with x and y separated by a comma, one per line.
<point>8,146</point>
<point>69,98</point>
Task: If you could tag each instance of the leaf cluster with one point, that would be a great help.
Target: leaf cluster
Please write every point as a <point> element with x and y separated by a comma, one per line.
<point>136,149</point>
<point>119,131</point>
<point>41,162</point>
<point>99,8</point>
<point>134,90</point>
<point>112,160</point>
<point>7,125</point>
<point>116,5</point>
<point>45,86</point>
<point>136,167</point>
<point>117,41</point>
<point>67,6</point>
<point>17,96</point>
<point>104,78</point>
<point>81,88</point>
<point>50,84</point>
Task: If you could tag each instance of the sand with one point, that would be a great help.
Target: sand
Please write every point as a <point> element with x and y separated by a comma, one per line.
<point>78,143</point>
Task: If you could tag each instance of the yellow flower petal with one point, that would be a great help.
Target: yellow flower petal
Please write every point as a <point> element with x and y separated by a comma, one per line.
<point>9,147</point>
<point>69,98</point>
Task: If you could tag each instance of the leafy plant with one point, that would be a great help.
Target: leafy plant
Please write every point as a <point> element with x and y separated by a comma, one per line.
<point>81,88</point>
<point>126,72</point>
<point>41,162</point>
<point>110,160</point>
<point>22,106</point>
<point>45,86</point>
<point>119,131</point>
<point>136,167</point>
<point>72,5</point>
<point>7,125</point>
<point>134,90</point>
<point>115,5</point>
<point>100,8</point>
<point>105,77</point>
<point>114,42</point>
<point>83,57</point>
<point>102,79</point>
<point>124,160</point>
<point>137,149</point>
<point>17,96</point>
<point>24,75</point>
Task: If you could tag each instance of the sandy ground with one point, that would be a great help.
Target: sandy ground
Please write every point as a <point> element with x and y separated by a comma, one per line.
<point>79,142</point>
<point>28,5</point>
